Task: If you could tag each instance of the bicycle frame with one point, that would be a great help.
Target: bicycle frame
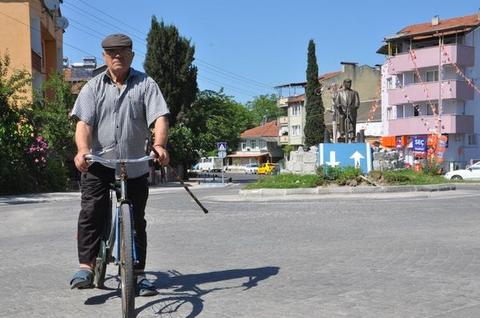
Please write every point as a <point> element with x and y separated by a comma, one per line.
<point>120,189</point>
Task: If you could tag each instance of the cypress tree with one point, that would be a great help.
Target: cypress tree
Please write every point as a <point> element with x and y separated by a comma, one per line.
<point>314,121</point>
<point>169,61</point>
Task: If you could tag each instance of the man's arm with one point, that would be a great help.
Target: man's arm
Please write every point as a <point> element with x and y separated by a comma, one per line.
<point>160,131</point>
<point>83,139</point>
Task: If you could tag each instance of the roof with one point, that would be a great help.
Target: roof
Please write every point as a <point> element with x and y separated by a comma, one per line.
<point>458,23</point>
<point>322,77</point>
<point>269,129</point>
<point>327,76</point>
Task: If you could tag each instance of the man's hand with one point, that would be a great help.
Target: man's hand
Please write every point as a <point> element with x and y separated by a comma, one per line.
<point>80,162</point>
<point>163,156</point>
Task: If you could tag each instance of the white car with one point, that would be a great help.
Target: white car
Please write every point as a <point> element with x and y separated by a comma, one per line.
<point>251,168</point>
<point>470,173</point>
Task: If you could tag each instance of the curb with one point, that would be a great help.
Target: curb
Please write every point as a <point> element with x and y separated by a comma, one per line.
<point>62,196</point>
<point>356,190</point>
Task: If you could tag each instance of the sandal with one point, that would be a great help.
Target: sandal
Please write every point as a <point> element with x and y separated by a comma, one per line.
<point>82,279</point>
<point>145,287</point>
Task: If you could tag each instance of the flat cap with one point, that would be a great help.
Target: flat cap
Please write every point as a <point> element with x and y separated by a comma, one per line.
<point>116,40</point>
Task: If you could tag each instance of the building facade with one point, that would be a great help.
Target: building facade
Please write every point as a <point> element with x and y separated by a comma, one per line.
<point>32,36</point>
<point>257,145</point>
<point>365,80</point>
<point>430,86</point>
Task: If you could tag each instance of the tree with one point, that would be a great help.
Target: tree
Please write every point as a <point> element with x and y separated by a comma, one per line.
<point>314,122</point>
<point>217,117</point>
<point>169,61</point>
<point>264,108</point>
<point>15,129</point>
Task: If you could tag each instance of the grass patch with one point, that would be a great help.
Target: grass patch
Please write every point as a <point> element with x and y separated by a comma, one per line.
<point>406,177</point>
<point>346,177</point>
<point>287,181</point>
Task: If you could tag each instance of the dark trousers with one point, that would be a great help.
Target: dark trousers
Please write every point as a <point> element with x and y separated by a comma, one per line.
<point>95,187</point>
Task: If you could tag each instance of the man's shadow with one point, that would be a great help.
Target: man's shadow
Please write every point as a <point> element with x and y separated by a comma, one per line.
<point>186,288</point>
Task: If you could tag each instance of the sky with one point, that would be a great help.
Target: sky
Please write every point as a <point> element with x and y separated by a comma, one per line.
<point>248,47</point>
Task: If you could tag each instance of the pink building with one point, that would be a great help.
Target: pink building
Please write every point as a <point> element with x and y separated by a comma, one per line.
<point>428,84</point>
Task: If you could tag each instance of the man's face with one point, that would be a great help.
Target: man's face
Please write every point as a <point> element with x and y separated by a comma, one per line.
<point>347,84</point>
<point>118,59</point>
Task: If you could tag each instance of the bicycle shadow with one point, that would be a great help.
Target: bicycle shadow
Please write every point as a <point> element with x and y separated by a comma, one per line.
<point>185,288</point>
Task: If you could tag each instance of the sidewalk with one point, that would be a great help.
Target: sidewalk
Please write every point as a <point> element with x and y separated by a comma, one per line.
<point>63,196</point>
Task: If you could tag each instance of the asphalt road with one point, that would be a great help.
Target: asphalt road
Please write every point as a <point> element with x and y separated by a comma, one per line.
<point>383,255</point>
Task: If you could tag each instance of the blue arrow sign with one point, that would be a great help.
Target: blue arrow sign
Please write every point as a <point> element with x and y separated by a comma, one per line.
<point>357,155</point>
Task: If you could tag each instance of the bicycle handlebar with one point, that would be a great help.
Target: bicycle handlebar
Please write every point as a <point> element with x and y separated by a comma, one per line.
<point>93,158</point>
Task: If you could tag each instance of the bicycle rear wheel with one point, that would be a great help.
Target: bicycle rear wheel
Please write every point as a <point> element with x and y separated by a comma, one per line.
<point>126,263</point>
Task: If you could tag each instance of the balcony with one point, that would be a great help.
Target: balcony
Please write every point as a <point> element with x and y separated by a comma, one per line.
<point>421,125</point>
<point>282,102</point>
<point>283,121</point>
<point>430,57</point>
<point>284,139</point>
<point>451,89</point>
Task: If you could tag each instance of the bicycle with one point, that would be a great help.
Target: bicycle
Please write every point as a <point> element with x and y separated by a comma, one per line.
<point>118,241</point>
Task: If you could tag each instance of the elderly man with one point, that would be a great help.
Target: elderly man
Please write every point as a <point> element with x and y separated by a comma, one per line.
<point>115,111</point>
<point>347,102</point>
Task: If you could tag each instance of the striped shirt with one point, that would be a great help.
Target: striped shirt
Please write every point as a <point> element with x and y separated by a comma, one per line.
<point>121,117</point>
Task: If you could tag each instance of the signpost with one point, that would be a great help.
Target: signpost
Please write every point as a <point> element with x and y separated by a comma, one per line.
<point>358,155</point>
<point>222,153</point>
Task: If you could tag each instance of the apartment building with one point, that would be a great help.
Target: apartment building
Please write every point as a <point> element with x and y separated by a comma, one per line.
<point>430,85</point>
<point>32,36</point>
<point>365,80</point>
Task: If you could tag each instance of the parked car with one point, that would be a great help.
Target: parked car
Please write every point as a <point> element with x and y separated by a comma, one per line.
<point>469,173</point>
<point>266,168</point>
<point>251,168</point>
<point>209,164</point>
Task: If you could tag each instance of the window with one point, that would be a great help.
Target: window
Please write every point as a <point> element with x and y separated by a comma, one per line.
<point>431,112</point>
<point>389,83</point>
<point>416,110</point>
<point>416,78</point>
<point>432,76</point>
<point>253,144</point>
<point>472,140</point>
<point>400,109</point>
<point>296,110</point>
<point>399,81</point>
<point>244,145</point>
<point>295,130</point>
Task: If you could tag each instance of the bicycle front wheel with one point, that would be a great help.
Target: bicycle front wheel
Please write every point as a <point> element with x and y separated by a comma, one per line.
<point>126,263</point>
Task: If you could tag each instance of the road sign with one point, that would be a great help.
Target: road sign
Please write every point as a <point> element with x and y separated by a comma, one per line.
<point>222,146</point>
<point>222,154</point>
<point>345,155</point>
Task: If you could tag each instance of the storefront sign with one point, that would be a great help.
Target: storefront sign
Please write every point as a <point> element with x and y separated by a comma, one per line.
<point>420,143</point>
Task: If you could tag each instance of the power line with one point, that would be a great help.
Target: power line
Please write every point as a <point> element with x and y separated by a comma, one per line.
<point>228,86</point>
<point>205,63</point>
<point>220,84</point>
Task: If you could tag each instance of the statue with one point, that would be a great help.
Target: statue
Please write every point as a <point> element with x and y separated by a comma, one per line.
<point>346,103</point>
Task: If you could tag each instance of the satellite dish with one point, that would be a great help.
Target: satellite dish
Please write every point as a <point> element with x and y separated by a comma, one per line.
<point>62,23</point>
<point>52,5</point>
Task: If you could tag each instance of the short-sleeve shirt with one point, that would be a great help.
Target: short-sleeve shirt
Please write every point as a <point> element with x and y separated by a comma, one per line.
<point>121,117</point>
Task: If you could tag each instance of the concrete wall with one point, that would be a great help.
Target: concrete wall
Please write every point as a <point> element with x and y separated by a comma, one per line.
<point>15,34</point>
